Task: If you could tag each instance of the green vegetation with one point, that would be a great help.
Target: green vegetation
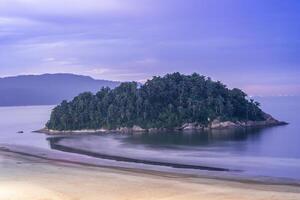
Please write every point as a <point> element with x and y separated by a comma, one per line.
<point>163,102</point>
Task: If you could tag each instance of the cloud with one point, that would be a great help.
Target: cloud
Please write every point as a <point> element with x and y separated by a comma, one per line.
<point>273,89</point>
<point>15,21</point>
<point>49,10</point>
<point>136,39</point>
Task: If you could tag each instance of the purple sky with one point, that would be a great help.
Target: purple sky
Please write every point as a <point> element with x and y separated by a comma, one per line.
<point>251,44</point>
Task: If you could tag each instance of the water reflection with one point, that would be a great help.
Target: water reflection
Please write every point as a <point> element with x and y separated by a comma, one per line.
<point>155,146</point>
<point>55,143</point>
<point>203,138</point>
<point>244,150</point>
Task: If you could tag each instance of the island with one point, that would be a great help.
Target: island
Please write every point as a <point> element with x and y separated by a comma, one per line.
<point>172,102</point>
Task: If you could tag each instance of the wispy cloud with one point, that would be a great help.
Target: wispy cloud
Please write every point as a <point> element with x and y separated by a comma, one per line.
<point>31,8</point>
<point>273,90</point>
<point>237,43</point>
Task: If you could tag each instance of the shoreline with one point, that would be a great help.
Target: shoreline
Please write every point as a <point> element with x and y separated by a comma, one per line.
<point>222,177</point>
<point>227,125</point>
<point>43,180</point>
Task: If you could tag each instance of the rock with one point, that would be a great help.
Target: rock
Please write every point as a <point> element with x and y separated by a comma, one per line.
<point>217,124</point>
<point>134,129</point>
<point>123,130</point>
<point>191,126</point>
<point>138,129</point>
<point>268,121</point>
<point>153,130</point>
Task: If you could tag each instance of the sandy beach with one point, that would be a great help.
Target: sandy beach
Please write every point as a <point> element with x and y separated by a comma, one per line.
<point>29,178</point>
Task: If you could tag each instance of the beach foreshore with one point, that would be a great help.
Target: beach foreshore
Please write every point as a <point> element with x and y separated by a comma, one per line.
<point>31,177</point>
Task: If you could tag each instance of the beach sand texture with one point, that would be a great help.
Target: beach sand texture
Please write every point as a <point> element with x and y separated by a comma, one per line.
<point>25,178</point>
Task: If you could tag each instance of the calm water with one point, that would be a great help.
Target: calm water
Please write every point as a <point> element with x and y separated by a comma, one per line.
<point>270,152</point>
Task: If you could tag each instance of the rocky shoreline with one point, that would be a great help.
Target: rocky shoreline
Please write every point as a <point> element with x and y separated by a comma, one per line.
<point>216,124</point>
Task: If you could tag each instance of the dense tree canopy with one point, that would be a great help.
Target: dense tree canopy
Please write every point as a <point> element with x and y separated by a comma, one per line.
<point>163,102</point>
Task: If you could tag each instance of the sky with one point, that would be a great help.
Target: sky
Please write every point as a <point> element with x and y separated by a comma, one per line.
<point>250,44</point>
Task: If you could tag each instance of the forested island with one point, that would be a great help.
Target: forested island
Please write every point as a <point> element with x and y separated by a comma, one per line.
<point>175,101</point>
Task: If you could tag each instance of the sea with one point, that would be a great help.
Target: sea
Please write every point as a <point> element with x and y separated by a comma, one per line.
<point>272,152</point>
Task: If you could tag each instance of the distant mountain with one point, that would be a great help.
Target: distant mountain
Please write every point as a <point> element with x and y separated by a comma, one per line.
<point>47,89</point>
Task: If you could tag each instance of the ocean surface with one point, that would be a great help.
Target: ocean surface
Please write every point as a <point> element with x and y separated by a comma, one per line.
<point>270,152</point>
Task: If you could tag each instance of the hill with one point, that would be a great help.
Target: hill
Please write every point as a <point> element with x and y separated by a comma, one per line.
<point>47,89</point>
<point>174,101</point>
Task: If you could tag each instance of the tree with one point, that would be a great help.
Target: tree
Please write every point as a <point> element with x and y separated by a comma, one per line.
<point>163,102</point>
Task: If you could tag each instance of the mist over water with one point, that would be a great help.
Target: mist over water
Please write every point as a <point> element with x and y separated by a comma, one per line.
<point>270,152</point>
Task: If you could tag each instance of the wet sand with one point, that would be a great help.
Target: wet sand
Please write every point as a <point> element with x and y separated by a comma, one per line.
<point>29,178</point>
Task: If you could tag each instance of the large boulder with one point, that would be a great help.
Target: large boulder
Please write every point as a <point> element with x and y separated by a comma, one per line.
<point>217,124</point>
